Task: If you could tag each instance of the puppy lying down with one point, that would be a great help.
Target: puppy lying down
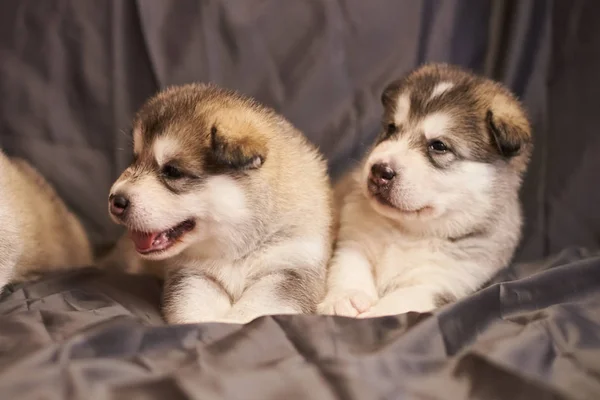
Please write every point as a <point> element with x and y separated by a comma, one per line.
<point>229,202</point>
<point>433,211</point>
<point>39,234</point>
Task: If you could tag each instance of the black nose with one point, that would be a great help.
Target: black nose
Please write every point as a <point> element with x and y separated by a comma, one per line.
<point>382,174</point>
<point>118,204</point>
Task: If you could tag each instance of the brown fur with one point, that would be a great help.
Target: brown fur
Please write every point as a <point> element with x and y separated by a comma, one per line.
<point>48,236</point>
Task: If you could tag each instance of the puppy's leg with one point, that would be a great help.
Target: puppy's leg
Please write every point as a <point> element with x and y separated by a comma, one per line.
<point>350,285</point>
<point>193,297</point>
<point>288,291</point>
<point>10,251</point>
<point>7,266</point>
<point>419,298</point>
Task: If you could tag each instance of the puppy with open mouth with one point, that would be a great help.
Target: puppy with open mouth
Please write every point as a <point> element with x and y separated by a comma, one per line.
<point>230,201</point>
<point>433,212</point>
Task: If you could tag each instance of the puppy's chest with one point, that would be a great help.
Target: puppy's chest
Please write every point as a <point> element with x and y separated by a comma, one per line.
<point>411,259</point>
<point>234,277</point>
<point>231,276</point>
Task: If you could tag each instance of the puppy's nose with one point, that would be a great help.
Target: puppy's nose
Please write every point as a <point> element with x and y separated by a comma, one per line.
<point>118,204</point>
<point>382,174</point>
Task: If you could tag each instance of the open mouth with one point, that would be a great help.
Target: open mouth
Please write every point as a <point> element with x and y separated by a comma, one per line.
<point>153,242</point>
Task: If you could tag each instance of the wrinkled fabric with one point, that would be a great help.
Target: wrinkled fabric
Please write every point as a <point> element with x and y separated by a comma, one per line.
<point>533,333</point>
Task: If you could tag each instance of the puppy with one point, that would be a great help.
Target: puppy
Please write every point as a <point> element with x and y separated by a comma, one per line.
<point>39,234</point>
<point>230,201</point>
<point>433,211</point>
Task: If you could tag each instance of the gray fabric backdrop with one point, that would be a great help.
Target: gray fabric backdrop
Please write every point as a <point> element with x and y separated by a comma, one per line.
<point>73,72</point>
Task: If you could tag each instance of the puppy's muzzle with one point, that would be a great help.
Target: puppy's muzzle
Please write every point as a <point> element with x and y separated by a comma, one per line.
<point>118,205</point>
<point>380,178</point>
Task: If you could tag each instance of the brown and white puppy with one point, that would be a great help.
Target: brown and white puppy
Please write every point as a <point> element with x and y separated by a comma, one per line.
<point>231,201</point>
<point>39,234</point>
<point>433,211</point>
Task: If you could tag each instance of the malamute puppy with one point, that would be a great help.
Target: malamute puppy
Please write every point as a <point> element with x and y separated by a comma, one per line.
<point>38,233</point>
<point>433,211</point>
<point>231,201</point>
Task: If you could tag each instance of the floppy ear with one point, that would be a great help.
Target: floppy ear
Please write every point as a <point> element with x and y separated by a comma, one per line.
<point>509,132</point>
<point>236,152</point>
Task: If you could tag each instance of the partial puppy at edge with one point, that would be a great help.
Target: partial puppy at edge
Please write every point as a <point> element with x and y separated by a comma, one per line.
<point>433,211</point>
<point>229,203</point>
<point>39,234</point>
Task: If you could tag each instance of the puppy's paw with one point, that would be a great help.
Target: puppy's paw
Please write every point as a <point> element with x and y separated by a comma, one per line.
<point>349,303</point>
<point>381,310</point>
<point>370,313</point>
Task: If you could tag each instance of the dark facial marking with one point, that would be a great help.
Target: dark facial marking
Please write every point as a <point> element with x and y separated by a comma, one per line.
<point>391,129</point>
<point>459,96</point>
<point>155,117</point>
<point>170,171</point>
<point>178,180</point>
<point>390,94</point>
<point>438,159</point>
<point>176,175</point>
<point>439,153</point>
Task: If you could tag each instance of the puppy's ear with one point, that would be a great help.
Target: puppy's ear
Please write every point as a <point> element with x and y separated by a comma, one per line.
<point>509,130</point>
<point>236,152</point>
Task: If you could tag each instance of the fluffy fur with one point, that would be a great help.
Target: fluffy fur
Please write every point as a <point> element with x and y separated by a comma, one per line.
<point>39,234</point>
<point>252,194</point>
<point>433,211</point>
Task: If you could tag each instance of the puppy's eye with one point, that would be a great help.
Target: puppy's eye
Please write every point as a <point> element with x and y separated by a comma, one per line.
<point>438,146</point>
<point>172,172</point>
<point>391,129</point>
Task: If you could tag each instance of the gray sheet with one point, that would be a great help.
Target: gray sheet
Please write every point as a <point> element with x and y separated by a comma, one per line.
<point>532,334</point>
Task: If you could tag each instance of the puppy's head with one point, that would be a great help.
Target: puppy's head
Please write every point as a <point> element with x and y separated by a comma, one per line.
<point>452,144</point>
<point>196,174</point>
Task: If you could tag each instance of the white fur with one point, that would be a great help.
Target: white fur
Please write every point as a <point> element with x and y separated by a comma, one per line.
<point>164,148</point>
<point>200,301</point>
<point>440,89</point>
<point>137,141</point>
<point>375,254</point>
<point>402,109</point>
<point>434,125</point>
<point>249,301</point>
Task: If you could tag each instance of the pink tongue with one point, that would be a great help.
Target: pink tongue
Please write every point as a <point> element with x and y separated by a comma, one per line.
<point>142,240</point>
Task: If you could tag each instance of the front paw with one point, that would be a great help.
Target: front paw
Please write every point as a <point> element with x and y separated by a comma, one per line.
<point>348,303</point>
